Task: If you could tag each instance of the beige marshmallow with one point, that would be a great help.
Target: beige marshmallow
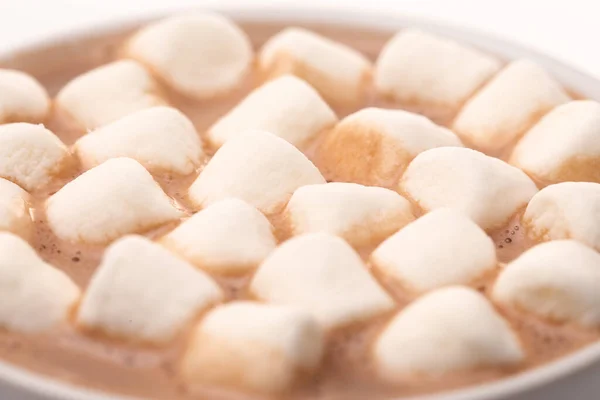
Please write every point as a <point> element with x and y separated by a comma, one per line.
<point>287,107</point>
<point>199,54</point>
<point>486,189</point>
<point>419,68</point>
<point>338,72</point>
<point>107,93</point>
<point>373,146</point>
<point>450,329</point>
<point>14,209</point>
<point>30,155</point>
<point>557,280</point>
<point>564,145</point>
<point>22,98</point>
<point>253,347</point>
<point>508,106</point>
<point>108,201</point>
<point>35,296</point>
<point>361,215</point>
<point>442,248</point>
<point>320,273</point>
<point>569,210</point>
<point>228,237</point>
<point>142,292</point>
<point>160,138</point>
<point>257,167</point>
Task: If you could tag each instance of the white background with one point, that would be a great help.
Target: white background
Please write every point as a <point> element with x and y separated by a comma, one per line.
<point>566,29</point>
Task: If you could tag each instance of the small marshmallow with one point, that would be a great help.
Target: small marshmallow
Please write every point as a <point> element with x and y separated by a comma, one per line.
<point>14,209</point>
<point>448,330</point>
<point>508,106</point>
<point>228,237</point>
<point>340,73</point>
<point>34,296</point>
<point>30,155</point>
<point>320,273</point>
<point>141,291</point>
<point>422,69</point>
<point>107,93</point>
<point>22,98</point>
<point>257,167</point>
<point>199,54</point>
<point>564,145</point>
<point>557,280</point>
<point>486,189</point>
<point>442,248</point>
<point>253,347</point>
<point>569,210</point>
<point>373,146</point>
<point>108,201</point>
<point>287,107</point>
<point>160,138</point>
<point>361,215</point>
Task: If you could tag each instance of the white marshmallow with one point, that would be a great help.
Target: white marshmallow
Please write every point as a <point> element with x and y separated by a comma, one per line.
<point>14,209</point>
<point>557,280</point>
<point>107,93</point>
<point>229,236</point>
<point>569,210</point>
<point>108,201</point>
<point>338,72</point>
<point>508,106</point>
<point>360,214</point>
<point>450,329</point>
<point>253,347</point>
<point>320,273</point>
<point>198,54</point>
<point>486,189</point>
<point>141,291</point>
<point>30,155</point>
<point>257,167</point>
<point>373,146</point>
<point>35,296</point>
<point>424,69</point>
<point>564,145</point>
<point>22,98</point>
<point>442,248</point>
<point>160,138</point>
<point>287,107</point>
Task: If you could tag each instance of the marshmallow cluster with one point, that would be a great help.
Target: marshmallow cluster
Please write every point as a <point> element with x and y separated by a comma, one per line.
<point>30,155</point>
<point>448,330</point>
<point>257,167</point>
<point>557,281</point>
<point>287,107</point>
<point>159,138</point>
<point>418,68</point>
<point>444,247</point>
<point>564,145</point>
<point>22,98</point>
<point>373,146</point>
<point>254,347</point>
<point>142,292</point>
<point>227,237</point>
<point>359,214</point>
<point>320,273</point>
<point>486,189</point>
<point>338,72</point>
<point>107,93</point>
<point>14,209</point>
<point>108,201</point>
<point>35,296</point>
<point>508,106</point>
<point>199,54</point>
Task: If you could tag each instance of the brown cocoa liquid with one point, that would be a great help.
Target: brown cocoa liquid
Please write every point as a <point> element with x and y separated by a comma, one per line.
<point>94,361</point>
